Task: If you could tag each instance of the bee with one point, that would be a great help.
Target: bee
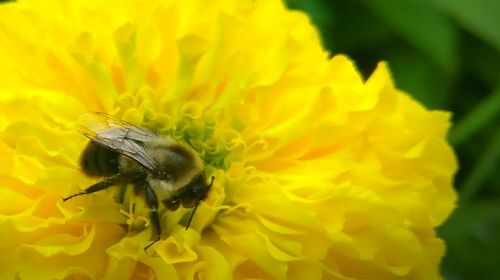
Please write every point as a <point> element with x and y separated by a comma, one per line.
<point>156,166</point>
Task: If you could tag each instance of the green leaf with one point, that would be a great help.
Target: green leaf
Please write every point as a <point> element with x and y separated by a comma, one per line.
<point>419,77</point>
<point>485,165</point>
<point>472,242</point>
<point>480,60</point>
<point>480,17</point>
<point>423,26</point>
<point>480,116</point>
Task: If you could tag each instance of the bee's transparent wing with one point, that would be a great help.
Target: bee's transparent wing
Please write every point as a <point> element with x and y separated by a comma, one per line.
<point>99,122</point>
<point>119,136</point>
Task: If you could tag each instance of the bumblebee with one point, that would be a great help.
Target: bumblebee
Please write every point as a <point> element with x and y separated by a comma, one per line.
<point>158,167</point>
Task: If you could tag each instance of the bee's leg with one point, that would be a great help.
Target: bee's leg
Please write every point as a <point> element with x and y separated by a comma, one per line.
<point>104,184</point>
<point>152,202</point>
<point>138,190</point>
<point>121,194</point>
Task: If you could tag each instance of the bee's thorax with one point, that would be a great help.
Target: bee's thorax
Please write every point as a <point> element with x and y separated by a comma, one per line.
<point>163,189</point>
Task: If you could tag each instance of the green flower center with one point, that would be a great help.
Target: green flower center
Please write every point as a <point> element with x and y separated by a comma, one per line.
<point>200,134</point>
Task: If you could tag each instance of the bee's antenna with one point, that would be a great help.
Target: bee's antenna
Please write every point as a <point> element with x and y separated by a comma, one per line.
<point>196,205</point>
<point>192,214</point>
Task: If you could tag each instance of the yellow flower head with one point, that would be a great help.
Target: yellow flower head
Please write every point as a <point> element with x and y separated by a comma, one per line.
<point>318,174</point>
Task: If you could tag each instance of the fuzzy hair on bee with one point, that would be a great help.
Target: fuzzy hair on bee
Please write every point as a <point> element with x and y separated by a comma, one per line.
<point>156,166</point>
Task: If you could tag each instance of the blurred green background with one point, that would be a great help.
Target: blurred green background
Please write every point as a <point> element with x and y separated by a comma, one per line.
<point>446,53</point>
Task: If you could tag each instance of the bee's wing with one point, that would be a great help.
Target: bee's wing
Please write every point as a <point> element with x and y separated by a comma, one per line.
<point>119,136</point>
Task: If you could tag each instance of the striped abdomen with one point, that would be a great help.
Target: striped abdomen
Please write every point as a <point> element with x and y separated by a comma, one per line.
<point>99,161</point>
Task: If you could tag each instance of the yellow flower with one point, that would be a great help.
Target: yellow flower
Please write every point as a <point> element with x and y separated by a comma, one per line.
<point>318,174</point>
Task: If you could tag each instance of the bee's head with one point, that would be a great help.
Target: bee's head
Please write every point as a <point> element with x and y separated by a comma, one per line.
<point>191,194</point>
<point>190,197</point>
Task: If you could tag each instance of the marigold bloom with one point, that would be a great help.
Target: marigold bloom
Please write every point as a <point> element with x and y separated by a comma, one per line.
<point>319,174</point>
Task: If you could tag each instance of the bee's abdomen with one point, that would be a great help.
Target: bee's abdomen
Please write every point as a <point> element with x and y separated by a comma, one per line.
<point>97,160</point>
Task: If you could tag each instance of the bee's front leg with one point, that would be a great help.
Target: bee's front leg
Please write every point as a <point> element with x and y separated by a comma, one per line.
<point>152,202</point>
